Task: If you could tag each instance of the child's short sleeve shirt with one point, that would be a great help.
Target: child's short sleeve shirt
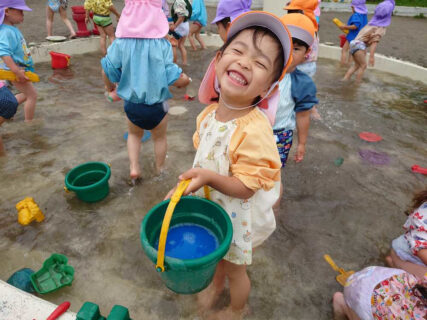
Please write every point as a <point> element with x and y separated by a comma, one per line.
<point>416,229</point>
<point>370,34</point>
<point>244,148</point>
<point>101,7</point>
<point>143,68</point>
<point>358,20</point>
<point>297,93</point>
<point>12,43</point>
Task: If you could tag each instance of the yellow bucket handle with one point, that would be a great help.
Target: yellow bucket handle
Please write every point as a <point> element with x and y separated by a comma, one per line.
<point>160,265</point>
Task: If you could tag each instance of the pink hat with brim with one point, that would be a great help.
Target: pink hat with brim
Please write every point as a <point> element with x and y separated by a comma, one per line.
<point>15,4</point>
<point>209,88</point>
<point>142,19</point>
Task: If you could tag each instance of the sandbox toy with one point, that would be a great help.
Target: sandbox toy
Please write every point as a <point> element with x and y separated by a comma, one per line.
<point>89,181</point>
<point>28,211</point>
<point>90,311</point>
<point>339,23</point>
<point>60,60</point>
<point>54,274</point>
<point>343,275</point>
<point>10,76</point>
<point>187,253</point>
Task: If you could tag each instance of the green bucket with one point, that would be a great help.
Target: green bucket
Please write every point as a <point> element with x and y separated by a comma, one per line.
<point>191,275</point>
<point>89,181</point>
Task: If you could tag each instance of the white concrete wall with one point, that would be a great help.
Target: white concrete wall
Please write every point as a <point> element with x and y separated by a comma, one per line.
<point>20,305</point>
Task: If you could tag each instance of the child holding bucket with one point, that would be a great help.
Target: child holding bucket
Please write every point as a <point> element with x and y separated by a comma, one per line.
<point>14,54</point>
<point>355,23</point>
<point>236,152</point>
<point>369,36</point>
<point>140,61</point>
<point>412,246</point>
<point>101,17</point>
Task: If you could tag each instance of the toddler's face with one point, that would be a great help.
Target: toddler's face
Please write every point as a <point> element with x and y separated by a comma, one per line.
<point>14,16</point>
<point>299,53</point>
<point>244,70</point>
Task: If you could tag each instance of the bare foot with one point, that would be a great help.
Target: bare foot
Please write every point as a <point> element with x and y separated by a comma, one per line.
<point>135,173</point>
<point>229,314</point>
<point>314,114</point>
<point>207,298</point>
<point>339,306</point>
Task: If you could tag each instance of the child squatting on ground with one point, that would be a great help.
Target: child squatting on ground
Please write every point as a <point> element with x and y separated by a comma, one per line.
<point>226,12</point>
<point>355,23</point>
<point>61,7</point>
<point>101,17</point>
<point>199,19</point>
<point>369,36</point>
<point>236,152</point>
<point>412,245</point>
<point>140,60</point>
<point>14,54</point>
<point>297,92</point>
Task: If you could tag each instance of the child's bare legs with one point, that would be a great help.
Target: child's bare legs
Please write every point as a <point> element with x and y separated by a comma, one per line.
<point>160,143</point>
<point>344,54</point>
<point>200,40</point>
<point>341,310</point>
<point>63,14</point>
<point>102,40</point>
<point>182,49</point>
<point>193,30</point>
<point>20,97</point>
<point>30,94</point>
<point>49,21</point>
<point>207,298</point>
<point>134,147</point>
<point>360,59</point>
<point>109,30</point>
<point>240,287</point>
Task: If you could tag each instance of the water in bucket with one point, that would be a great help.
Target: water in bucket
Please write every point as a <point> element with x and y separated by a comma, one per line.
<point>189,241</point>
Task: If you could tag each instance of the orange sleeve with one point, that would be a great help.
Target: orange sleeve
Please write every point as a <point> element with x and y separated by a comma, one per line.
<point>254,158</point>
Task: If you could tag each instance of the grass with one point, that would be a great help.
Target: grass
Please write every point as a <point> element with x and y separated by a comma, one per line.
<point>406,3</point>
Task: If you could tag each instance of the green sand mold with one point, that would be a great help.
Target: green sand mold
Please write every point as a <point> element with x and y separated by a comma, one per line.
<point>54,274</point>
<point>90,311</point>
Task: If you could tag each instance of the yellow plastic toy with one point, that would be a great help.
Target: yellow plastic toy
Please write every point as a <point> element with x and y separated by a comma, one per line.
<point>28,210</point>
<point>10,76</point>
<point>339,23</point>
<point>343,276</point>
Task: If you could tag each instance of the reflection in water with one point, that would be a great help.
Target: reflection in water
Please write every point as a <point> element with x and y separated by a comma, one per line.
<point>351,211</point>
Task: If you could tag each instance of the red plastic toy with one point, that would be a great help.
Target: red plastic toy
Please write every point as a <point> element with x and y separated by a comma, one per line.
<point>370,137</point>
<point>418,169</point>
<point>342,40</point>
<point>188,98</point>
<point>59,310</point>
<point>60,60</point>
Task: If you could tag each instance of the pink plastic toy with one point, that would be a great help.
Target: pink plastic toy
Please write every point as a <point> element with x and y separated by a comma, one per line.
<point>418,169</point>
<point>59,311</point>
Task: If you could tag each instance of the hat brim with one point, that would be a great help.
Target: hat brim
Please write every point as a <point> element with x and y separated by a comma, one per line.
<point>301,34</point>
<point>21,7</point>
<point>269,21</point>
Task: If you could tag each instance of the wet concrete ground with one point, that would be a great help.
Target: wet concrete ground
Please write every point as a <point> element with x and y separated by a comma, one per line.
<point>351,212</point>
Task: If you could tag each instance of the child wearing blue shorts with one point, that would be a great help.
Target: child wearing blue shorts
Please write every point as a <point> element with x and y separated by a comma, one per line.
<point>140,60</point>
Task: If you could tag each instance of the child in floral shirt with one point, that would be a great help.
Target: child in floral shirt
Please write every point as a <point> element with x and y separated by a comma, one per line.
<point>412,245</point>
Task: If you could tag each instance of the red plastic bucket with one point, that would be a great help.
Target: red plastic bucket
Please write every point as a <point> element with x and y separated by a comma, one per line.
<point>342,40</point>
<point>60,60</point>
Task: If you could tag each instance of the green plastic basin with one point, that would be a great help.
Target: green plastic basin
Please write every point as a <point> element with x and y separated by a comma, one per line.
<point>89,181</point>
<point>191,275</point>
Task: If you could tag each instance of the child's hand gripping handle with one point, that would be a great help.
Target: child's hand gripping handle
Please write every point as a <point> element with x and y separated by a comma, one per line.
<point>339,23</point>
<point>160,265</point>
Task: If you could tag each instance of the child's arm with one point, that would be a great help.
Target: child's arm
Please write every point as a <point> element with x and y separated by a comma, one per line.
<point>19,72</point>
<point>372,49</point>
<point>177,23</point>
<point>303,124</point>
<point>230,186</point>
<point>108,84</point>
<point>348,27</point>
<point>116,13</point>
<point>422,254</point>
<point>182,81</point>
<point>415,269</point>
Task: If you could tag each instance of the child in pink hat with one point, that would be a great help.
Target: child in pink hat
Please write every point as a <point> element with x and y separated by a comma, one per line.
<point>140,60</point>
<point>15,55</point>
<point>236,156</point>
